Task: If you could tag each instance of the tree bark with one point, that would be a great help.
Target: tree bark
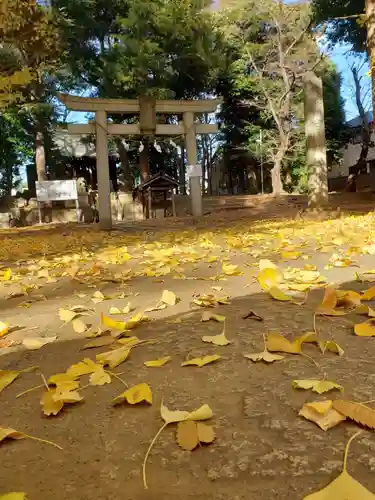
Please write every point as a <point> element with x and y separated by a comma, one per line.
<point>370,14</point>
<point>277,185</point>
<point>316,154</point>
<point>143,162</point>
<point>365,126</point>
<point>40,158</point>
<point>124,160</point>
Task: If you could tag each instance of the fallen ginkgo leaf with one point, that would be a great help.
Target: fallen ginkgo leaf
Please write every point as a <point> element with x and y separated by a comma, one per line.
<point>7,377</point>
<point>157,363</point>
<point>112,324</point>
<point>37,342</point>
<point>100,377</point>
<point>115,357</point>
<point>169,298</point>
<point>4,328</point>
<point>207,316</point>
<point>319,386</point>
<point>278,343</point>
<point>322,414</point>
<point>190,434</point>
<point>278,294</point>
<point>13,496</point>
<point>220,340</point>
<point>205,360</point>
<point>264,356</point>
<point>8,433</point>
<point>344,487</point>
<point>360,413</point>
<point>136,394</point>
<point>364,329</point>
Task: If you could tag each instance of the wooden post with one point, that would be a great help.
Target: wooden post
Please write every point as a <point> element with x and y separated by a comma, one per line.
<point>149,201</point>
<point>191,149</point>
<point>173,204</point>
<point>316,156</point>
<point>102,167</point>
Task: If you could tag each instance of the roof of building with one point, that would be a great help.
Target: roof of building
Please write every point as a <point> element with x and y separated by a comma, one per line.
<point>155,178</point>
<point>357,121</point>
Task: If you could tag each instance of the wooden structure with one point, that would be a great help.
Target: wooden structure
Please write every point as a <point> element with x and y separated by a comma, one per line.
<point>157,193</point>
<point>147,107</point>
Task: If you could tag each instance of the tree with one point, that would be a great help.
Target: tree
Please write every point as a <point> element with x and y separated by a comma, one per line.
<point>276,51</point>
<point>126,48</point>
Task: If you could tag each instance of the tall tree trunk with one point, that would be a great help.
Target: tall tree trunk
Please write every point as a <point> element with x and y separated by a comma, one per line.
<point>370,14</point>
<point>40,158</point>
<point>143,162</point>
<point>365,126</point>
<point>277,185</point>
<point>124,160</point>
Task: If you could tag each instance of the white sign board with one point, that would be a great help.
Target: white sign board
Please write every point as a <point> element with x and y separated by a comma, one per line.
<point>56,190</point>
<point>194,171</point>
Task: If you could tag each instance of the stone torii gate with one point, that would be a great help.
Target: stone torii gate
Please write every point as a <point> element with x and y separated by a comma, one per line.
<point>147,107</point>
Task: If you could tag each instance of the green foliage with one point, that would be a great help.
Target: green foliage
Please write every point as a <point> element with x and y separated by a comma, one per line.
<point>342,28</point>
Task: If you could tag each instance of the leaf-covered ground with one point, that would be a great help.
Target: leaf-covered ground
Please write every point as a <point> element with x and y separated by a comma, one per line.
<point>262,447</point>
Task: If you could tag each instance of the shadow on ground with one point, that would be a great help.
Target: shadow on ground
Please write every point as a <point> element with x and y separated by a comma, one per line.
<point>263,447</point>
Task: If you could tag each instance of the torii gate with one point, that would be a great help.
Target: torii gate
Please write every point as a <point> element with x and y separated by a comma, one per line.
<point>147,107</point>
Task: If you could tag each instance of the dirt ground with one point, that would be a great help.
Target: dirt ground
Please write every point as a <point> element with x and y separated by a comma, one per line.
<point>263,448</point>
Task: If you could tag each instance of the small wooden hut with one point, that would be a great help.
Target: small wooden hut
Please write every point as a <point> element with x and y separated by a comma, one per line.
<point>157,195</point>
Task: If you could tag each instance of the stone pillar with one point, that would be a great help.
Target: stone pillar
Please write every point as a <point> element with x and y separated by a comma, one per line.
<point>191,150</point>
<point>102,167</point>
<point>316,156</point>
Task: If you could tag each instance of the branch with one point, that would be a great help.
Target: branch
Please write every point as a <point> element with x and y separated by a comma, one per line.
<point>265,91</point>
<point>299,38</point>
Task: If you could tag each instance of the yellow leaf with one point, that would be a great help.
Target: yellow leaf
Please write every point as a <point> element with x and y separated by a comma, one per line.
<point>364,329</point>
<point>99,342</point>
<point>37,342</point>
<point>344,487</point>
<point>205,360</point>
<point>98,297</point>
<point>368,294</point>
<point>79,326</point>
<point>230,269</point>
<point>114,310</point>
<point>358,412</point>
<point>290,255</point>
<point>100,377</point>
<point>7,377</point>
<point>135,320</point>
<point>156,363</point>
<point>8,433</point>
<point>158,307</point>
<point>266,264</point>
<point>202,413</point>
<point>13,496</point>
<point>187,435</point>
<point>329,301</point>
<point>319,386</point>
<point>207,316</point>
<point>4,328</point>
<point>269,278</point>
<point>348,298</point>
<point>278,294</point>
<point>7,275</point>
<point>169,298</point>
<point>67,315</point>
<point>68,385</point>
<point>134,395</point>
<point>62,379</point>
<point>190,434</point>
<point>173,416</point>
<point>113,324</point>
<point>115,357</point>
<point>322,414</point>
<point>277,343</point>
<point>264,356</point>
<point>50,405</point>
<point>220,339</point>
<point>330,345</point>
<point>61,394</point>
<point>84,367</point>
